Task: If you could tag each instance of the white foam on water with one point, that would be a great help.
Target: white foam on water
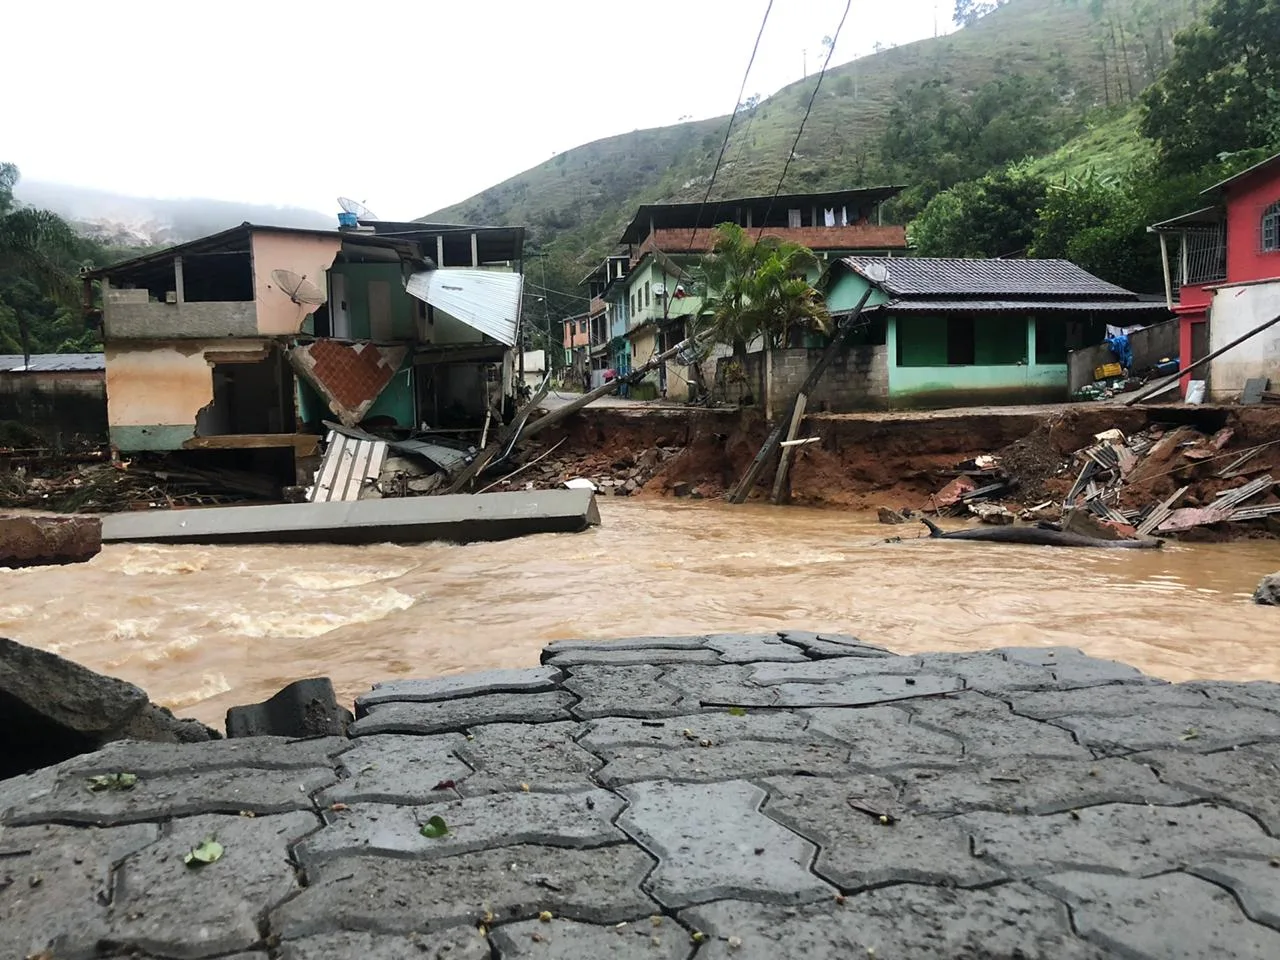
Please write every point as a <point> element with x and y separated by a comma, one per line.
<point>310,619</point>
<point>211,685</point>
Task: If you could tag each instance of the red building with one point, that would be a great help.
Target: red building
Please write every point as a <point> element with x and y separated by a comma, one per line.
<point>1228,246</point>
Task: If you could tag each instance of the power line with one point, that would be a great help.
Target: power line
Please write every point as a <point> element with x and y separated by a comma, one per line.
<point>835,38</point>
<point>729,129</point>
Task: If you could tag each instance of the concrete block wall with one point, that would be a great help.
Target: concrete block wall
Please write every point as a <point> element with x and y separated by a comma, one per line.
<point>857,380</point>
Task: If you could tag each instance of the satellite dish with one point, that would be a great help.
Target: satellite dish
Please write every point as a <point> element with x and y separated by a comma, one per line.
<point>298,288</point>
<point>659,289</point>
<point>359,209</point>
<point>876,272</point>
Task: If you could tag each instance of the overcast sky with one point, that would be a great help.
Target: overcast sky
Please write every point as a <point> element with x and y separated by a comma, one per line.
<point>409,106</point>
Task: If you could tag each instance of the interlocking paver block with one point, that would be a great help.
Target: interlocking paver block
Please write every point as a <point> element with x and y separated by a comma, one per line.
<point>399,769</point>
<point>532,680</point>
<point>1025,785</point>
<point>833,644</point>
<point>167,907</point>
<point>570,940</point>
<point>1105,701</point>
<point>1263,694</point>
<point>752,648</point>
<point>607,656</point>
<point>826,671</point>
<point>612,733</point>
<point>738,758</point>
<point>461,943</point>
<point>903,922</point>
<point>55,884</point>
<point>158,759</point>
<point>857,850</point>
<point>856,691</point>
<point>1245,778</point>
<point>711,841</point>
<point>883,736</point>
<point>600,885</point>
<point>504,819</point>
<point>1196,731</point>
<point>445,716</point>
<point>628,643</point>
<point>1072,667</point>
<point>622,691</point>
<point>989,672</point>
<point>1169,917</point>
<point>1119,837</point>
<point>1256,884</point>
<point>507,756</point>
<point>161,797</point>
<point>990,731</point>
<point>726,683</point>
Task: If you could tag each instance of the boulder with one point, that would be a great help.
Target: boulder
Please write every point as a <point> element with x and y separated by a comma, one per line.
<point>682,489</point>
<point>1087,525</point>
<point>29,541</point>
<point>888,515</point>
<point>1268,592</point>
<point>52,709</point>
<point>305,708</point>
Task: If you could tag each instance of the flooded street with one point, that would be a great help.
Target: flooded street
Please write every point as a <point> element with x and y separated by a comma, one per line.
<point>204,628</point>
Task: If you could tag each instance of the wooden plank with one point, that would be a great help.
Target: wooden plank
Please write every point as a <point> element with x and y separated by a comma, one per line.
<point>784,461</point>
<point>252,441</point>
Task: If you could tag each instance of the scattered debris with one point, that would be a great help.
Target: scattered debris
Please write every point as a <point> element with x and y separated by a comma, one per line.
<point>113,781</point>
<point>992,513</point>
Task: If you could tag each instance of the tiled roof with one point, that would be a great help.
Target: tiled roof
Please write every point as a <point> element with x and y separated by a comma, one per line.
<point>1038,279</point>
<point>1025,306</point>
<point>52,362</point>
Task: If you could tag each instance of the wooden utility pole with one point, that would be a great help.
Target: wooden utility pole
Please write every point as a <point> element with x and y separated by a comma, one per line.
<point>771,444</point>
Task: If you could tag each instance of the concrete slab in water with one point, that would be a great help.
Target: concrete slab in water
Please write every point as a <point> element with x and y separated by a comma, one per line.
<point>462,518</point>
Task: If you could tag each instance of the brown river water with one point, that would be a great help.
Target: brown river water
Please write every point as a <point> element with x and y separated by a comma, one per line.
<point>204,628</point>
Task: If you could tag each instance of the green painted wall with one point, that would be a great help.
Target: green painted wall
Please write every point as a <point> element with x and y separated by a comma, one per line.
<point>396,399</point>
<point>921,341</point>
<point>403,326</point>
<point>151,437</point>
<point>845,289</point>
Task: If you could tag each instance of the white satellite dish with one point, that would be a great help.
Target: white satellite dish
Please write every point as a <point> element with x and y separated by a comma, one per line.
<point>297,287</point>
<point>876,272</point>
<point>359,209</point>
<point>659,289</point>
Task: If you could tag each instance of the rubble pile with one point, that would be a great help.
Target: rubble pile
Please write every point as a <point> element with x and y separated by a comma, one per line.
<point>612,475</point>
<point>1164,480</point>
<point>91,483</point>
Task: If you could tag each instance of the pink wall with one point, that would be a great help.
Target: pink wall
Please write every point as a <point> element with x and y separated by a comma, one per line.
<point>308,256</point>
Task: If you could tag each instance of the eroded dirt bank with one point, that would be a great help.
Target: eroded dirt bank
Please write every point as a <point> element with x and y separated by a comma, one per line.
<point>862,461</point>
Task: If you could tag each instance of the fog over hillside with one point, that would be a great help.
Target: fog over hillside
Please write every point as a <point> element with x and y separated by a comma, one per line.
<point>142,221</point>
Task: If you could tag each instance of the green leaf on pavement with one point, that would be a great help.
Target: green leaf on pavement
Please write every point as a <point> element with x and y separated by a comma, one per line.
<point>207,851</point>
<point>113,781</point>
<point>434,828</point>
<point>737,711</point>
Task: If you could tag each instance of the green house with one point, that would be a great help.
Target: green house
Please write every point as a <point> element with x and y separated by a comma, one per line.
<point>957,332</point>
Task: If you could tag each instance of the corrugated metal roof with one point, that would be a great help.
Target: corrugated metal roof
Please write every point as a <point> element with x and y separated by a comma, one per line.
<point>485,300</point>
<point>1204,217</point>
<point>923,276</point>
<point>349,465</point>
<point>52,362</point>
<point>1024,306</point>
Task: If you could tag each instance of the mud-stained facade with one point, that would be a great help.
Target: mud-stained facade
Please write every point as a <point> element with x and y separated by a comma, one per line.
<point>254,338</point>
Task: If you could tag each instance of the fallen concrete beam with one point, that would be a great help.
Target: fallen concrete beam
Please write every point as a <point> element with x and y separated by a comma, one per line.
<point>456,519</point>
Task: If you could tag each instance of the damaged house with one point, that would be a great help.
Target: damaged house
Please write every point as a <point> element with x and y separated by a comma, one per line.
<point>251,339</point>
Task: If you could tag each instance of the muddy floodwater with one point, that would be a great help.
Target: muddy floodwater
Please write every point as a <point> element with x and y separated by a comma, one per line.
<point>203,628</point>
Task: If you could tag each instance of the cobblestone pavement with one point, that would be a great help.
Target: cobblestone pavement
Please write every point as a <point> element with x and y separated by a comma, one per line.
<point>756,797</point>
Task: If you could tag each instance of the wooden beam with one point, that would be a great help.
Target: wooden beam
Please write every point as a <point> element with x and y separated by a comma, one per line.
<point>304,444</point>
<point>788,445</point>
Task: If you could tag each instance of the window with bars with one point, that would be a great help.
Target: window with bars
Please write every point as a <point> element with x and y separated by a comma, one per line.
<point>1271,228</point>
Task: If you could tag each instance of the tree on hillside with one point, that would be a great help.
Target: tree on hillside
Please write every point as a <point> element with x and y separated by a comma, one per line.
<point>37,250</point>
<point>1221,90</point>
<point>994,216</point>
<point>969,12</point>
<point>758,289</point>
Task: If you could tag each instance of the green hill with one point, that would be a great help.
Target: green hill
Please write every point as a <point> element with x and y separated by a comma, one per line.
<point>1094,53</point>
<point>1108,147</point>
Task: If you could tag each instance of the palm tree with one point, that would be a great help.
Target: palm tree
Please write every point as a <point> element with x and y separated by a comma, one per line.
<point>759,289</point>
<point>35,245</point>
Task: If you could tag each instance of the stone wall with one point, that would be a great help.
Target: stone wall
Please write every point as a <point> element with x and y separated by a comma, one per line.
<point>857,380</point>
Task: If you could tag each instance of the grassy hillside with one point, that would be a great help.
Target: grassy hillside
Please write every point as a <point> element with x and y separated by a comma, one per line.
<point>1108,147</point>
<point>582,198</point>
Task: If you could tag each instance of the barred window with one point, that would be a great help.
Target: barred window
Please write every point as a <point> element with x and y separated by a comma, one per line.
<point>1271,228</point>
